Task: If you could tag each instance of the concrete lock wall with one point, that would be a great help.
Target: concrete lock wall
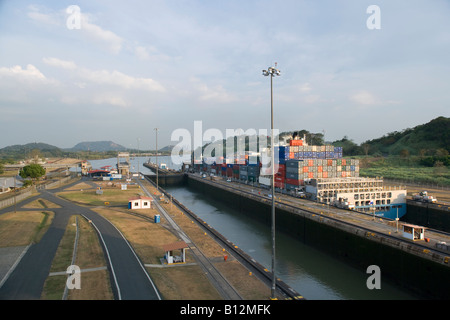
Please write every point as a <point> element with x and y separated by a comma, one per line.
<point>428,215</point>
<point>398,261</point>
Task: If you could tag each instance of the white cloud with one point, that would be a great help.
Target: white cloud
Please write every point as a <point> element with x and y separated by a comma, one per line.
<point>306,87</point>
<point>363,98</point>
<point>35,14</point>
<point>30,73</point>
<point>141,53</point>
<point>95,33</point>
<point>216,93</point>
<point>111,99</point>
<point>55,62</point>
<point>105,77</point>
<point>99,35</point>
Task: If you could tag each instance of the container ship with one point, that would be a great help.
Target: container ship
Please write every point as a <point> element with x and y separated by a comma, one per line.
<point>320,173</point>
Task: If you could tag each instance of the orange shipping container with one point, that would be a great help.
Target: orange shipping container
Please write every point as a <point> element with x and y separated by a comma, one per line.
<point>344,162</point>
<point>311,175</point>
<point>325,174</point>
<point>310,163</point>
<point>296,142</point>
<point>305,169</point>
<point>319,169</point>
<point>291,155</point>
<point>330,163</point>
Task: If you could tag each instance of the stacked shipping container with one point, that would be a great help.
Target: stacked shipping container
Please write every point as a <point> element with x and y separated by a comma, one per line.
<point>308,152</point>
<point>297,163</point>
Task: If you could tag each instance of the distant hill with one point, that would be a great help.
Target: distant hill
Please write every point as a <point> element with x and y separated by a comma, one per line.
<point>27,150</point>
<point>166,148</point>
<point>423,139</point>
<point>98,146</point>
<point>40,149</point>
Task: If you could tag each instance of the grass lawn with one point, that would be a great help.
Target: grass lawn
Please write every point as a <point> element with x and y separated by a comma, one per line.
<point>23,227</point>
<point>114,196</point>
<point>404,169</point>
<point>95,285</point>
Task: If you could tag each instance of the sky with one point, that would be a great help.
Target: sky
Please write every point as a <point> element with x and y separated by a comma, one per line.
<point>73,71</point>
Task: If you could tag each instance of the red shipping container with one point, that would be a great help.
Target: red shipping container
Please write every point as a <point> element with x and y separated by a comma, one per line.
<point>279,185</point>
<point>330,163</point>
<point>279,179</point>
<point>293,182</point>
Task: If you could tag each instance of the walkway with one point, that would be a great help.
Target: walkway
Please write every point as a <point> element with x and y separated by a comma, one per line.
<point>130,280</point>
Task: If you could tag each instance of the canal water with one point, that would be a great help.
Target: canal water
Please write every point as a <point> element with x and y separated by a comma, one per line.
<point>312,273</point>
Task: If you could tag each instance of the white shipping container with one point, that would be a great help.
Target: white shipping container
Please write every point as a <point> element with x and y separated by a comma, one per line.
<point>264,180</point>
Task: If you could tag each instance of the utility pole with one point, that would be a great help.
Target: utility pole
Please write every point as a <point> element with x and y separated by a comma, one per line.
<point>157,188</point>
<point>272,72</point>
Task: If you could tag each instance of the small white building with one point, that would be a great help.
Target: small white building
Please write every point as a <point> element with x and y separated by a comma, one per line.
<point>413,232</point>
<point>169,250</point>
<point>140,202</point>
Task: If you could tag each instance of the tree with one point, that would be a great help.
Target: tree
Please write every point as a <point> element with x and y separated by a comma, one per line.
<point>366,148</point>
<point>441,152</point>
<point>33,171</point>
<point>404,153</point>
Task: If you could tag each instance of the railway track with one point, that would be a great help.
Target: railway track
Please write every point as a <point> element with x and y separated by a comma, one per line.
<point>257,269</point>
<point>219,281</point>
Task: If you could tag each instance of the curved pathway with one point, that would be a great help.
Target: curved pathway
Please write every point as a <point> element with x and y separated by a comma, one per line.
<point>129,279</point>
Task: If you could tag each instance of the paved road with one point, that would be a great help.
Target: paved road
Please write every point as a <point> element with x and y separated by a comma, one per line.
<point>129,279</point>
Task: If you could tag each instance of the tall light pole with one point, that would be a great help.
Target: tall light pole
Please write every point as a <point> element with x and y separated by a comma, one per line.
<point>139,174</point>
<point>156,129</point>
<point>272,72</point>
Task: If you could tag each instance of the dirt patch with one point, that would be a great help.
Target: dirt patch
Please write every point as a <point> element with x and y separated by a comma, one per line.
<point>183,283</point>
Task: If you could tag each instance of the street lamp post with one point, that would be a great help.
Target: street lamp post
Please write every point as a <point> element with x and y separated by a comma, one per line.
<point>139,174</point>
<point>156,129</point>
<point>272,72</point>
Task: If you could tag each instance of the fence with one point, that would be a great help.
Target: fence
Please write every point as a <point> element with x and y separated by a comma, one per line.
<point>19,196</point>
<point>424,185</point>
<point>23,194</point>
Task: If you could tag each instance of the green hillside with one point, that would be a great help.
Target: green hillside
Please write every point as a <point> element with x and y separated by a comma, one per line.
<point>424,140</point>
